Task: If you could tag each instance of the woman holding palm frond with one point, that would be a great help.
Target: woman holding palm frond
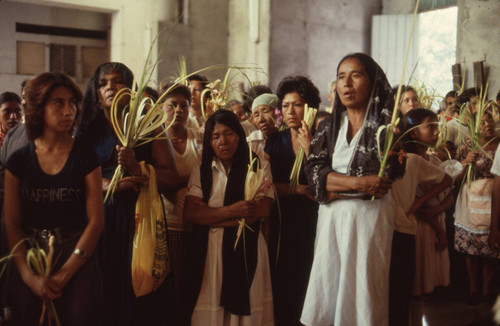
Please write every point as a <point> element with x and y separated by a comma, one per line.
<point>293,219</point>
<point>349,282</point>
<point>226,284</point>
<point>473,211</point>
<point>122,307</point>
<point>52,188</point>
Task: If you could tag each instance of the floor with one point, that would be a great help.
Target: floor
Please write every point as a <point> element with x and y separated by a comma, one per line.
<point>446,308</point>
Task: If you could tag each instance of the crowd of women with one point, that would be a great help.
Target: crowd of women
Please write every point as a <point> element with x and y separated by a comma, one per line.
<point>344,245</point>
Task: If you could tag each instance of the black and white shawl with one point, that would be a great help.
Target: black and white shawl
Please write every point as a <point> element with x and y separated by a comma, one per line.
<point>365,160</point>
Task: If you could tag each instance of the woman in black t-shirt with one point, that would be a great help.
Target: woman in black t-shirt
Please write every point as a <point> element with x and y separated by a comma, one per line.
<point>53,187</point>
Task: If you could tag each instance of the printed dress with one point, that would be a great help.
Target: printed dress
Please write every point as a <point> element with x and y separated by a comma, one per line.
<point>473,210</point>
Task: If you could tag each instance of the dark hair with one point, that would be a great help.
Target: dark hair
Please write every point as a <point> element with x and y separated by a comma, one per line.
<point>23,84</point>
<point>241,156</point>
<point>466,95</point>
<point>152,93</point>
<point>227,118</point>
<point>9,97</point>
<point>252,94</point>
<point>372,70</point>
<point>498,96</point>
<point>407,88</point>
<point>202,79</point>
<point>37,92</point>
<point>303,86</point>
<point>178,89</point>
<point>368,63</point>
<point>412,119</point>
<point>451,94</point>
<point>93,125</point>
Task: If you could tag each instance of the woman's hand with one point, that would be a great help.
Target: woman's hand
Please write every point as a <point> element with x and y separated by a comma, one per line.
<point>304,190</point>
<point>471,157</point>
<point>374,185</point>
<point>126,157</point>
<point>304,137</point>
<point>60,278</point>
<point>243,208</point>
<point>43,287</point>
<point>132,183</point>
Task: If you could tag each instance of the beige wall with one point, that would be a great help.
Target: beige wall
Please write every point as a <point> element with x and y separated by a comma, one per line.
<point>477,39</point>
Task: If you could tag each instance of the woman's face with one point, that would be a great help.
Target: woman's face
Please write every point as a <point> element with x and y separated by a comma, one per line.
<point>60,110</point>
<point>487,127</point>
<point>10,115</point>
<point>353,84</point>
<point>263,117</point>
<point>409,102</point>
<point>176,105</point>
<point>293,109</point>
<point>427,132</point>
<point>109,84</point>
<point>224,142</point>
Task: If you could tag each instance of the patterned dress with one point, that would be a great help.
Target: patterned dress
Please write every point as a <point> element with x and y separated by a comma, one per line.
<point>473,209</point>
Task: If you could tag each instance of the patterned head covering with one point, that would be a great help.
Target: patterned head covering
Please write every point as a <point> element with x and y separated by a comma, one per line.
<point>270,100</point>
<point>365,160</point>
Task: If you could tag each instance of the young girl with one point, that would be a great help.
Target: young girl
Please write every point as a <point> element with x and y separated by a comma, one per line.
<point>419,172</point>
<point>53,187</point>
<point>432,260</point>
<point>473,214</point>
<point>409,100</point>
<point>228,285</point>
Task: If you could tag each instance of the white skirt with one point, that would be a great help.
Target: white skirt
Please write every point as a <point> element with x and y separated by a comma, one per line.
<point>349,282</point>
<point>209,312</point>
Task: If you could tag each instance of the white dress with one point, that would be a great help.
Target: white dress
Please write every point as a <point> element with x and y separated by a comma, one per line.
<point>349,282</point>
<point>208,311</point>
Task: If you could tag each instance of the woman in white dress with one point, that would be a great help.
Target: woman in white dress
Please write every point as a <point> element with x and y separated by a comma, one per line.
<point>227,285</point>
<point>350,272</point>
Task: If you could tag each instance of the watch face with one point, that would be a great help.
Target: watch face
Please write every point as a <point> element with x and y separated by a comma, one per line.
<point>80,252</point>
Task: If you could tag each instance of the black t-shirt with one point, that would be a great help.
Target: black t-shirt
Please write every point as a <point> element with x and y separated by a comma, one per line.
<point>52,201</point>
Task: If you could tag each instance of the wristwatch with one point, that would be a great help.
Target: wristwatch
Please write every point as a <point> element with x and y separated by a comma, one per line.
<point>80,252</point>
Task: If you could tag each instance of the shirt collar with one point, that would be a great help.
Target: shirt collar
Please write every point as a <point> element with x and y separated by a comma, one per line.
<point>217,164</point>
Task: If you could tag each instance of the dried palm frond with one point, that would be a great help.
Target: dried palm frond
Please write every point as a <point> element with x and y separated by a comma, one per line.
<point>309,115</point>
<point>474,121</point>
<point>427,96</point>
<point>389,132</point>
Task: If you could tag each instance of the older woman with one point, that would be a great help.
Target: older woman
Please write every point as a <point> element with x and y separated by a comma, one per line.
<point>264,118</point>
<point>122,307</point>
<point>52,187</point>
<point>230,285</point>
<point>292,232</point>
<point>350,272</point>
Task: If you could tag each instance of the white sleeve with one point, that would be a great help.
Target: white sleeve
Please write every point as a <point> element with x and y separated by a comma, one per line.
<point>194,183</point>
<point>495,169</point>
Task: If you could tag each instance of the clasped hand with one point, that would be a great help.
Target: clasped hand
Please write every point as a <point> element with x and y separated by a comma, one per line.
<point>374,185</point>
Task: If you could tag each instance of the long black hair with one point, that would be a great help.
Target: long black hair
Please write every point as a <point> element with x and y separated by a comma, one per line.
<point>93,123</point>
<point>241,156</point>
